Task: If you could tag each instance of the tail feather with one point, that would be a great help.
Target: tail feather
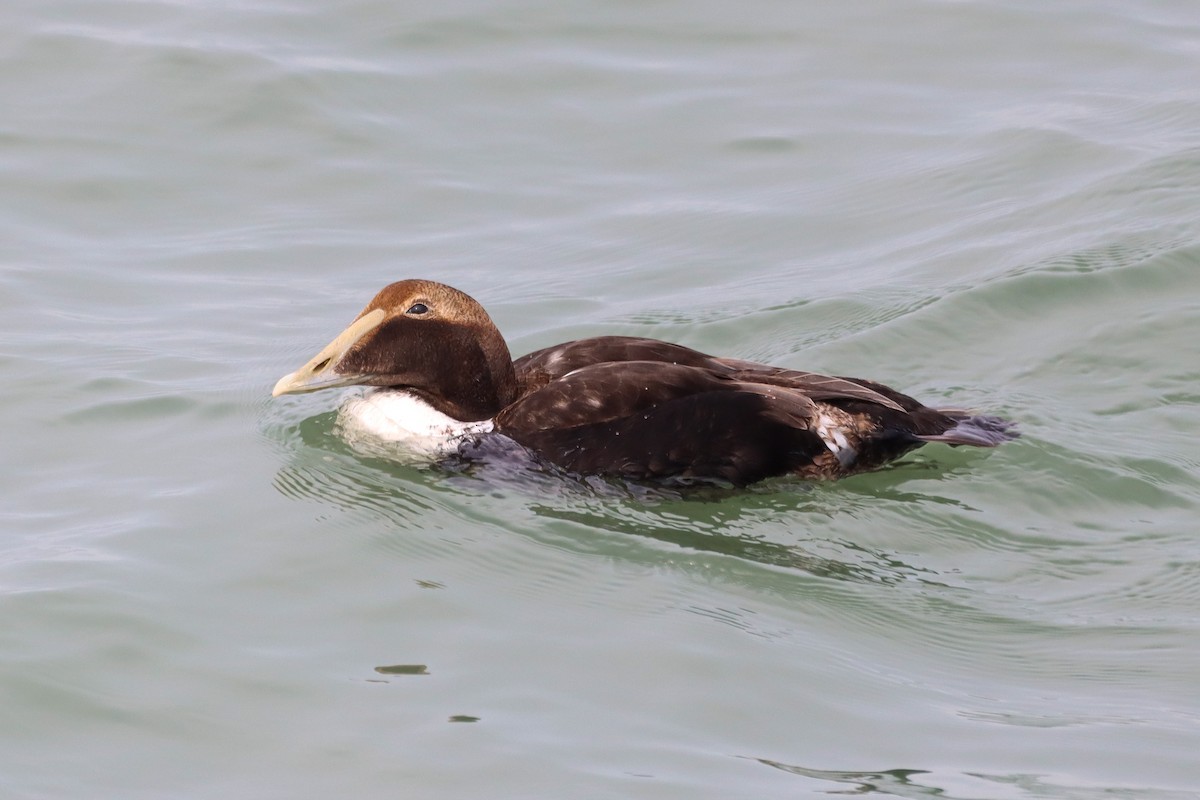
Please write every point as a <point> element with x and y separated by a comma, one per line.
<point>981,430</point>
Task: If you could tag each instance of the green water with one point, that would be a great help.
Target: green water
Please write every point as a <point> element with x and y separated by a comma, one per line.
<point>207,593</point>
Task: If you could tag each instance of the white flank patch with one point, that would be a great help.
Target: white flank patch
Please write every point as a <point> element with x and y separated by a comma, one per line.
<point>403,422</point>
<point>835,440</point>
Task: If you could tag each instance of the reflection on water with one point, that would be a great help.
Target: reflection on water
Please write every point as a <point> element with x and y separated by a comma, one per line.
<point>719,533</point>
<point>777,523</point>
<point>920,783</point>
<point>894,782</point>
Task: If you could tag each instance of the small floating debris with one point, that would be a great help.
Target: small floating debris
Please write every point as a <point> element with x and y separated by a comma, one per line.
<point>403,669</point>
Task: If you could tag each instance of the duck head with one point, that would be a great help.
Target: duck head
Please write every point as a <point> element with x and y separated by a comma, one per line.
<point>422,337</point>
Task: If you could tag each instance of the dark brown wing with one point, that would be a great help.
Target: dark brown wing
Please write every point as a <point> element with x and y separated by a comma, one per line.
<point>539,368</point>
<point>728,420</point>
<point>607,391</point>
<point>823,387</point>
<point>646,420</point>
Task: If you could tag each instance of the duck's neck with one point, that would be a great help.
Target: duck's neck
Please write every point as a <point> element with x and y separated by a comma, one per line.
<point>480,385</point>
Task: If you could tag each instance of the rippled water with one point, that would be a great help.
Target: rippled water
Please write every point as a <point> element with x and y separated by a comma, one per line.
<point>209,593</point>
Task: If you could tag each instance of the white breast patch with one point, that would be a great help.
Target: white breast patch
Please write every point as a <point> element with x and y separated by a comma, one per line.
<point>399,418</point>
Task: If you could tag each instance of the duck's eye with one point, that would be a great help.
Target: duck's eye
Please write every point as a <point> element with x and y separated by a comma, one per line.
<point>417,308</point>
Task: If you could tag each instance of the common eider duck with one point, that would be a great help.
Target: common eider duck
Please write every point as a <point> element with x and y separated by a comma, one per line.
<point>619,406</point>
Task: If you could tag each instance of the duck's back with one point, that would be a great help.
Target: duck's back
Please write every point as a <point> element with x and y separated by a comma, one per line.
<point>645,409</point>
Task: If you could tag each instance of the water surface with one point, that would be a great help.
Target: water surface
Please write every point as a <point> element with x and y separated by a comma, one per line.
<point>208,593</point>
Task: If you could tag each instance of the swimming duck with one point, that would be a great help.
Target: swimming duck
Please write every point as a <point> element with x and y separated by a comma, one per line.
<point>621,406</point>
